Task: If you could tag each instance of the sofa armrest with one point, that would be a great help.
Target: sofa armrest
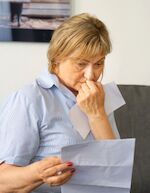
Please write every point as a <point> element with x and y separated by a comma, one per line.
<point>133,121</point>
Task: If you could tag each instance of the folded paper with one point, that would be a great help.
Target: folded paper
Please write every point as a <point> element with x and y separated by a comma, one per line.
<point>113,100</point>
<point>101,166</point>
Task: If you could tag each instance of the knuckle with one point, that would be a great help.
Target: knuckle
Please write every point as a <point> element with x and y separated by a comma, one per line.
<point>52,181</point>
<point>79,101</point>
<point>94,92</point>
<point>84,85</point>
<point>55,158</point>
<point>58,180</point>
<point>54,171</point>
<point>44,174</point>
<point>87,95</point>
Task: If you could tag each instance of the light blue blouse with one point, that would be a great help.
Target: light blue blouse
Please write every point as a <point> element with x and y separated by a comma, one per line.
<point>34,123</point>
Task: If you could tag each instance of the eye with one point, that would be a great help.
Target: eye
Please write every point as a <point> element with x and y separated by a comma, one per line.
<point>99,64</point>
<point>81,64</point>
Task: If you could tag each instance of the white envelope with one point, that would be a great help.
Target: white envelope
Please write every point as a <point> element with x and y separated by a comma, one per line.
<point>113,100</point>
<point>101,166</point>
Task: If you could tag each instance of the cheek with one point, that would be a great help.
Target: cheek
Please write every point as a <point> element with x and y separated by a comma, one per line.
<point>99,74</point>
<point>77,76</point>
<point>77,80</point>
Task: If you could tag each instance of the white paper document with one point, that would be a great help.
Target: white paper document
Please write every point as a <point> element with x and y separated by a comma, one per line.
<point>113,100</point>
<point>101,166</point>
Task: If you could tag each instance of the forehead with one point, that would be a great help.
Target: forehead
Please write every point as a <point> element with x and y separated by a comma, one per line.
<point>85,57</point>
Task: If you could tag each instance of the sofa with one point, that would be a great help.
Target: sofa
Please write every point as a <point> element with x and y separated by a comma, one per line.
<point>133,121</point>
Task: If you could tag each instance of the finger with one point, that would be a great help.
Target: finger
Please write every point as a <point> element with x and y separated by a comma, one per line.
<point>66,180</point>
<point>64,167</point>
<point>54,159</point>
<point>50,161</point>
<point>100,87</point>
<point>46,163</point>
<point>56,169</point>
<point>58,180</point>
<point>85,88</point>
<point>92,86</point>
<point>80,95</point>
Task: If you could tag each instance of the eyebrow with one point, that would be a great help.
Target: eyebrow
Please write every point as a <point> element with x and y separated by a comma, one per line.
<point>95,62</point>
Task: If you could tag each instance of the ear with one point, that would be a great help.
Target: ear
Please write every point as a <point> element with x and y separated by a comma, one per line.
<point>55,68</point>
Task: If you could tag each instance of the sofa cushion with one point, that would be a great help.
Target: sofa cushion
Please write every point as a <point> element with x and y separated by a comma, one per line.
<point>133,121</point>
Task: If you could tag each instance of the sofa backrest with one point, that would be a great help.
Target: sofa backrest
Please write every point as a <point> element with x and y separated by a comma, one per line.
<point>133,121</point>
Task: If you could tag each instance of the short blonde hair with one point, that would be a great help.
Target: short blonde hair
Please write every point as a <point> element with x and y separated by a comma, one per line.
<point>83,33</point>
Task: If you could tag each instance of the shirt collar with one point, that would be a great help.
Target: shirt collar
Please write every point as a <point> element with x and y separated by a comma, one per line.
<point>48,80</point>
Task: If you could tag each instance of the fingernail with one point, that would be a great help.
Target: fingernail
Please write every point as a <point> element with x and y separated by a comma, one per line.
<point>72,170</point>
<point>69,163</point>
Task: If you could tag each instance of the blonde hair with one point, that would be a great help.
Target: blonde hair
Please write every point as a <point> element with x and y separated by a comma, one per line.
<point>83,33</point>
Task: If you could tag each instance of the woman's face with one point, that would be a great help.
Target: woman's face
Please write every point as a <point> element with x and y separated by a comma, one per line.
<point>72,72</point>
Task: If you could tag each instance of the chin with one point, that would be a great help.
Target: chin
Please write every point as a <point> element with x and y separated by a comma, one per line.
<point>75,88</point>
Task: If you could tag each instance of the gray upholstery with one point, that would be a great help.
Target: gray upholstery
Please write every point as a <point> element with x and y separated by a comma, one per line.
<point>133,120</point>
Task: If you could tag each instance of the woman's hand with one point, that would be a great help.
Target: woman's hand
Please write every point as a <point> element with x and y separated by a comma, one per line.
<point>53,172</point>
<point>90,99</point>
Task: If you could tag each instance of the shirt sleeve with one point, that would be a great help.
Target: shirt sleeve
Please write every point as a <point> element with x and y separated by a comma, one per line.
<point>113,125</point>
<point>19,133</point>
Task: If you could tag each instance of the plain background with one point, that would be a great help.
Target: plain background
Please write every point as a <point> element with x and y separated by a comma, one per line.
<point>129,63</point>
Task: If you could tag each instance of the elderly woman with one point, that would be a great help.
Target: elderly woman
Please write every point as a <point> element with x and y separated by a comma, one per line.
<point>34,121</point>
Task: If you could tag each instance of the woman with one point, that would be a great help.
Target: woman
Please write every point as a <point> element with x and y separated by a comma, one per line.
<point>34,122</point>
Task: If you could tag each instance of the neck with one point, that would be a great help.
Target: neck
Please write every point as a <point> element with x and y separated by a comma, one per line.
<point>75,92</point>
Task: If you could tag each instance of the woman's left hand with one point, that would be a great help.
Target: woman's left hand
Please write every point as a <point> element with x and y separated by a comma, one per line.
<point>90,99</point>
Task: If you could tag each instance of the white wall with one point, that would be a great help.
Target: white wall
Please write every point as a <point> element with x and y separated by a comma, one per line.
<point>20,63</point>
<point>129,62</point>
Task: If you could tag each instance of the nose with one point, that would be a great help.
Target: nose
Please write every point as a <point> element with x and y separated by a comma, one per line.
<point>89,73</point>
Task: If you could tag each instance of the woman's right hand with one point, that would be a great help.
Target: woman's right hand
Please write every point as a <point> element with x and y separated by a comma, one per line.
<point>53,172</point>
